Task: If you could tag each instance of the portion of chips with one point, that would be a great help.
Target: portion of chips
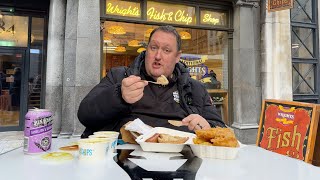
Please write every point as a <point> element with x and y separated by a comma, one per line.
<point>216,137</point>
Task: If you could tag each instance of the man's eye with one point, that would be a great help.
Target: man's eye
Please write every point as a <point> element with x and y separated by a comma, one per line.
<point>153,48</point>
<point>167,50</point>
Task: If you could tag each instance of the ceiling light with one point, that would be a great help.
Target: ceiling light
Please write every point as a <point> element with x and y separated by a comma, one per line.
<point>106,40</point>
<point>120,49</point>
<point>185,35</point>
<point>141,49</point>
<point>116,30</point>
<point>148,32</point>
<point>134,43</point>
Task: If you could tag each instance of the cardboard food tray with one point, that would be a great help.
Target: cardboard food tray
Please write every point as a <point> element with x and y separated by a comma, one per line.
<point>164,147</point>
<point>215,152</point>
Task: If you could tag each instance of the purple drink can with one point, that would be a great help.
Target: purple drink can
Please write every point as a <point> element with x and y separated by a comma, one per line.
<point>37,131</point>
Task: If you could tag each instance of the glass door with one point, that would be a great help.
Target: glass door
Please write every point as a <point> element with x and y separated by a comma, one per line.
<point>11,88</point>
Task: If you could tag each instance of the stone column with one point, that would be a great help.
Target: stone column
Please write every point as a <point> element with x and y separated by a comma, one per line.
<point>55,52</point>
<point>68,103</point>
<point>276,67</point>
<point>88,54</point>
<point>246,99</point>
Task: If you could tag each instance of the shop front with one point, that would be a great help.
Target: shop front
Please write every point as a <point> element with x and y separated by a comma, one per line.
<point>22,52</point>
<point>205,28</point>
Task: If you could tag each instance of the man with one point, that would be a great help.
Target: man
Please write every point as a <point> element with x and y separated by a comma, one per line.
<point>124,94</point>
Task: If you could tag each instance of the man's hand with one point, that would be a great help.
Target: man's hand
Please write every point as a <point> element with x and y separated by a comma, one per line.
<point>132,89</point>
<point>195,122</point>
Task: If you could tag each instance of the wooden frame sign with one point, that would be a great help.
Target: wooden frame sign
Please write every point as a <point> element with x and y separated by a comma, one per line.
<point>289,128</point>
<point>277,5</point>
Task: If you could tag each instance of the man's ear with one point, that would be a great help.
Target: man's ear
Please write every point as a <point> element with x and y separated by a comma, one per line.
<point>178,56</point>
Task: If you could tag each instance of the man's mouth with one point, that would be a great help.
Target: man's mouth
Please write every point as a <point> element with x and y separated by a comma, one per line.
<point>156,65</point>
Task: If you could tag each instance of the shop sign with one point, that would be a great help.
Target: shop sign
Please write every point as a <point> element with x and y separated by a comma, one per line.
<point>277,5</point>
<point>213,18</point>
<point>193,60</point>
<point>195,64</point>
<point>288,128</point>
<point>166,13</point>
<point>176,14</point>
<point>13,31</point>
<point>123,8</point>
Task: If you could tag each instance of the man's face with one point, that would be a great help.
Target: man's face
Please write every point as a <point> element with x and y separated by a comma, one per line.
<point>162,54</point>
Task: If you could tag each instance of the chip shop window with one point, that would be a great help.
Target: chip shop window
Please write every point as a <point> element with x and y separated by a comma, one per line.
<point>204,32</point>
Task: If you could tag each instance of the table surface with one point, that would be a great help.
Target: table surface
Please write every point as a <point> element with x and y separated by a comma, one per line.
<point>131,162</point>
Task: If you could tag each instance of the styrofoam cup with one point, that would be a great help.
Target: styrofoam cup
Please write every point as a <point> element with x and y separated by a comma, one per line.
<point>92,149</point>
<point>112,137</point>
<point>107,133</point>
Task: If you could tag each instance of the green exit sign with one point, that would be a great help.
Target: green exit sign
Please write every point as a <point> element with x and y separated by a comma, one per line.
<point>7,9</point>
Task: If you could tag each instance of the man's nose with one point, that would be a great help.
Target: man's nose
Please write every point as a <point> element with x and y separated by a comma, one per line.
<point>158,55</point>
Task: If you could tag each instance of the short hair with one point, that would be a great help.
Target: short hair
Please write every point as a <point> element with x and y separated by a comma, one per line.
<point>168,29</point>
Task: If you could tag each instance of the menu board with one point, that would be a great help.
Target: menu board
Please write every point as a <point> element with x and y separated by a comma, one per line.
<point>289,128</point>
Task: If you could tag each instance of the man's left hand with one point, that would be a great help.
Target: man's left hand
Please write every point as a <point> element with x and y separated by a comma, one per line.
<point>195,122</point>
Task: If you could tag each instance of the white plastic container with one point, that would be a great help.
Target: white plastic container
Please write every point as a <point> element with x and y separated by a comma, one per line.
<point>164,147</point>
<point>215,152</point>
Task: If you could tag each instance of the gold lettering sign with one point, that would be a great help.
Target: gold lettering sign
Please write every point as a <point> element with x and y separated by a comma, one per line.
<point>213,18</point>
<point>166,13</point>
<point>14,31</point>
<point>277,5</point>
<point>177,14</point>
<point>123,8</point>
<point>195,61</point>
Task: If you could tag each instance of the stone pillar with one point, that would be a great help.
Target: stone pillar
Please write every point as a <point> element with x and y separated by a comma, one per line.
<point>68,102</point>
<point>55,52</point>
<point>88,54</point>
<point>276,67</point>
<point>246,99</point>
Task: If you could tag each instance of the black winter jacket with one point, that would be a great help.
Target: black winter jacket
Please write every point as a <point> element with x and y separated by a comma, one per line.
<point>104,109</point>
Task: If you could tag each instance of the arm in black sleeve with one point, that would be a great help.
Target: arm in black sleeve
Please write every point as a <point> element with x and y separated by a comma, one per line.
<point>104,104</point>
<point>210,112</point>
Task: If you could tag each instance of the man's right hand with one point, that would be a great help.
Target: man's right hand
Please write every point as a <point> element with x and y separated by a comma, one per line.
<point>132,89</point>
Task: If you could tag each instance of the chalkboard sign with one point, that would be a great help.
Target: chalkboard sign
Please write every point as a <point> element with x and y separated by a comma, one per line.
<point>289,128</point>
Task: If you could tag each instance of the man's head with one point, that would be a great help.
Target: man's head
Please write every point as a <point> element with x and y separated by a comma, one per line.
<point>163,51</point>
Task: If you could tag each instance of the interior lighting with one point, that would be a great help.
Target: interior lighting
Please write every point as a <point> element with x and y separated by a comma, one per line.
<point>185,35</point>
<point>148,32</point>
<point>134,43</point>
<point>116,30</point>
<point>141,49</point>
<point>120,49</point>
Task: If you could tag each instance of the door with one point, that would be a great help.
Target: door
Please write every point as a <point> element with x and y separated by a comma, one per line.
<point>12,88</point>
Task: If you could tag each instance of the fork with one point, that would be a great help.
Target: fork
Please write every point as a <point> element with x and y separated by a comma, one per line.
<point>152,82</point>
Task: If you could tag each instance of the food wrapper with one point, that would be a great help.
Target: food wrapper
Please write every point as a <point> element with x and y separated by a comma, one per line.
<point>138,126</point>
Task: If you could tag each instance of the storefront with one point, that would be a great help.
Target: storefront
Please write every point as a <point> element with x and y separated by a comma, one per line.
<point>221,46</point>
<point>22,55</point>
<point>205,29</point>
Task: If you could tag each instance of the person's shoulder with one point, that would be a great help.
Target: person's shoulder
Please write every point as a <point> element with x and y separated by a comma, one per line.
<point>116,74</point>
<point>196,85</point>
<point>117,71</point>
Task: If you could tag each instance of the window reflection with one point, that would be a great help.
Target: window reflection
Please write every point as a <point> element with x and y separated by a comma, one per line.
<point>205,52</point>
<point>14,31</point>
<point>36,58</point>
